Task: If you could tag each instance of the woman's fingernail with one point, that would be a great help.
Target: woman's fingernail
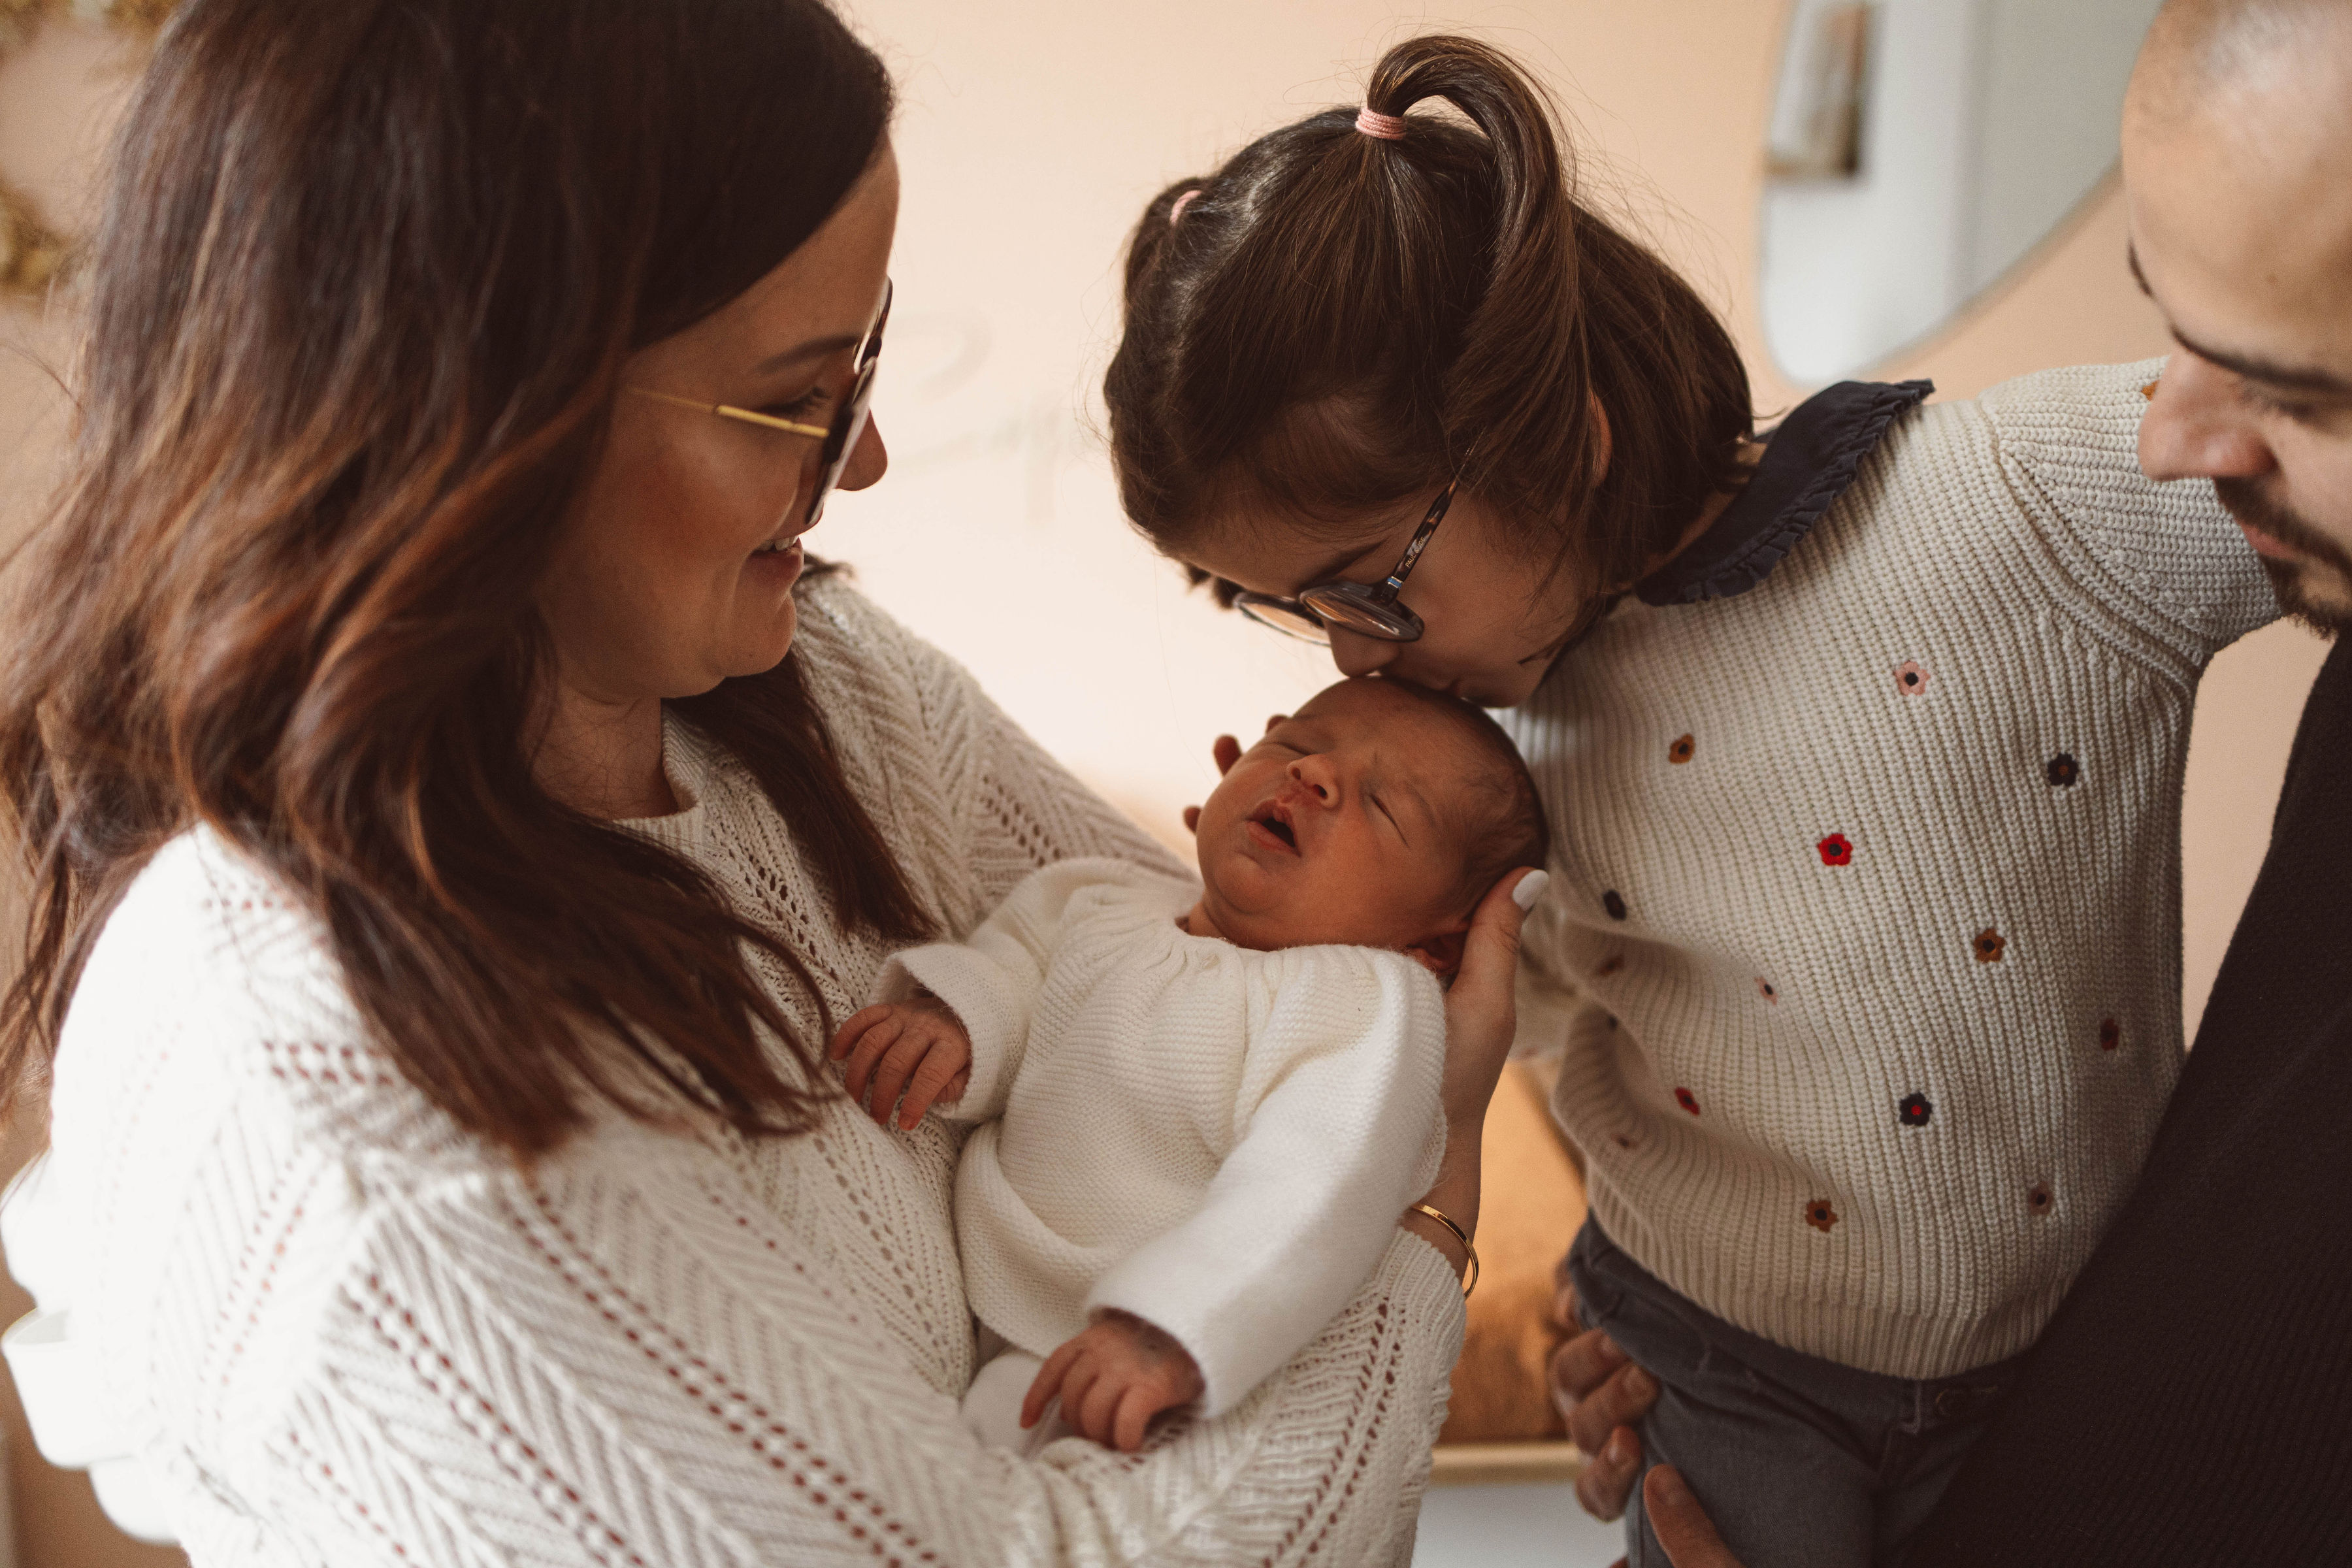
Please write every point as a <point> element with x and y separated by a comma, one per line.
<point>1671,1489</point>
<point>1531,887</point>
<point>1618,1449</point>
<point>1610,1350</point>
<point>1641,1385</point>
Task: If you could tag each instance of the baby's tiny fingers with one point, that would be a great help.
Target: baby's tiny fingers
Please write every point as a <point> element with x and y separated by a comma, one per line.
<point>941,1065</point>
<point>1100,1404</point>
<point>871,1045</point>
<point>857,1024</point>
<point>956,1086</point>
<point>897,1066</point>
<point>1047,1382</point>
<point>1136,1409</point>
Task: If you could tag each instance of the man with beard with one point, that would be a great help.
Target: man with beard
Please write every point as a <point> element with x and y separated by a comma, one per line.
<point>2192,1402</point>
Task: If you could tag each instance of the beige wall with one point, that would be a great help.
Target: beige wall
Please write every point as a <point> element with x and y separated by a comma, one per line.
<point>1031,133</point>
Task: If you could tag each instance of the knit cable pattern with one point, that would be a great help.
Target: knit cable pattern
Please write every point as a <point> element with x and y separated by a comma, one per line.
<point>337,1332</point>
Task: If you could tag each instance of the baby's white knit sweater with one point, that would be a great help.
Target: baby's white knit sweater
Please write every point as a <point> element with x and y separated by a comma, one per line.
<point>336,1331</point>
<point>1216,1139</point>
<point>1870,880</point>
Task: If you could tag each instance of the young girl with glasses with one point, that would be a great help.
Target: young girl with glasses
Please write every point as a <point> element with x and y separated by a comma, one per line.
<point>1863,744</point>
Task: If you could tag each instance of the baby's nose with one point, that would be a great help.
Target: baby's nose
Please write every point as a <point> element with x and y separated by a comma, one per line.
<point>1312,775</point>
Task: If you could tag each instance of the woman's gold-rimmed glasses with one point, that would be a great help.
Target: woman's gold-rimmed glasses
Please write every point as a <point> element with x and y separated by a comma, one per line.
<point>840,436</point>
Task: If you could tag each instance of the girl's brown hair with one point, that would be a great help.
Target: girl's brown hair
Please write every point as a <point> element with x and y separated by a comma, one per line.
<point>1337,324</point>
<point>365,276</point>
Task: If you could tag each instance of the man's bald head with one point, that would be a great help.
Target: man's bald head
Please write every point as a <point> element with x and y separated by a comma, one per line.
<point>2198,48</point>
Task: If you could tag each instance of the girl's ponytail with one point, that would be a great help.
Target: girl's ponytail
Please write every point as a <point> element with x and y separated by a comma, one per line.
<point>1346,317</point>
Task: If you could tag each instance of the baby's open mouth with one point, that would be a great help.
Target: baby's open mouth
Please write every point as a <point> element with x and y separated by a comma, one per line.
<point>1275,821</point>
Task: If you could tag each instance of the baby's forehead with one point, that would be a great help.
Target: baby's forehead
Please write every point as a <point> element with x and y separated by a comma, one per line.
<point>1415,735</point>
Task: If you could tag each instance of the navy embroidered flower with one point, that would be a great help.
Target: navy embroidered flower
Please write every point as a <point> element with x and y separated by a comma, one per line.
<point>1837,849</point>
<point>2064,772</point>
<point>1682,750</point>
<point>1910,679</point>
<point>1913,1111</point>
<point>2111,1033</point>
<point>1988,945</point>
<point>1820,1215</point>
<point>1687,1100</point>
<point>1615,902</point>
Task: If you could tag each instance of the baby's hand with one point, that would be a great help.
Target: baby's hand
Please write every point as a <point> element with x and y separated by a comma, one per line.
<point>1113,1379</point>
<point>917,1045</point>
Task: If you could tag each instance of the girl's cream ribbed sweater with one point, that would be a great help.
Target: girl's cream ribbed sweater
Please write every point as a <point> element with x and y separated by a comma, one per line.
<point>1870,881</point>
<point>338,1333</point>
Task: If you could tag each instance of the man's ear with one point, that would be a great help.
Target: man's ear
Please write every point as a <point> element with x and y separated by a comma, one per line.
<point>1439,954</point>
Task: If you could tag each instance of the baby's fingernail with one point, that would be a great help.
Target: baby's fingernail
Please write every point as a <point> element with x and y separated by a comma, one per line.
<point>1531,887</point>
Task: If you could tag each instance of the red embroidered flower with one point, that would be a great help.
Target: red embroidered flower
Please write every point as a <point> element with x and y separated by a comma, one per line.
<point>2037,1199</point>
<point>2111,1035</point>
<point>1610,965</point>
<point>1687,1100</point>
<point>1764,989</point>
<point>1820,1215</point>
<point>1914,1110</point>
<point>1837,849</point>
<point>1680,752</point>
<point>1988,945</point>
<point>1910,679</point>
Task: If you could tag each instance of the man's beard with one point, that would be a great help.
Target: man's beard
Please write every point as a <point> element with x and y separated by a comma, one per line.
<point>2316,589</point>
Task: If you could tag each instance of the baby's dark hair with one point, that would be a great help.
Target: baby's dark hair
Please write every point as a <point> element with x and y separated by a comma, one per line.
<point>1335,324</point>
<point>1512,830</point>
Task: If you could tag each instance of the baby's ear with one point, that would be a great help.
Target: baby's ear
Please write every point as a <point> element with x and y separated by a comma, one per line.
<point>1439,954</point>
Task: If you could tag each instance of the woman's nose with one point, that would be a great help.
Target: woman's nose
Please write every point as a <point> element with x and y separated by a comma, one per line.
<point>1358,655</point>
<point>867,460</point>
<point>2199,427</point>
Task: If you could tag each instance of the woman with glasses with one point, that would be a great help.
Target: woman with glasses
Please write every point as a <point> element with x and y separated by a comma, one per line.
<point>458,813</point>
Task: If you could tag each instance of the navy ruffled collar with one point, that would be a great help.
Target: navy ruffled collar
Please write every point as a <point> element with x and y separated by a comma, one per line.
<point>1809,460</point>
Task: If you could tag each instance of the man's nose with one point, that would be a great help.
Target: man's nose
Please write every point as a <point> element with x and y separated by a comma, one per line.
<point>1356,655</point>
<point>2198,426</point>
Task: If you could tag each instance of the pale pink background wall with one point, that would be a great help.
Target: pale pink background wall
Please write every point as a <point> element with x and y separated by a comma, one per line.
<point>1031,133</point>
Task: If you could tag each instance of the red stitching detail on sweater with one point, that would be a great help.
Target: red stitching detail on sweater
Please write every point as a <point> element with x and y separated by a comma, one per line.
<point>327,1474</point>
<point>485,1411</point>
<point>759,1442</point>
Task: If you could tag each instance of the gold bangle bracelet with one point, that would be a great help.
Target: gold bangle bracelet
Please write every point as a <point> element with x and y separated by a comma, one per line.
<point>1461,1236</point>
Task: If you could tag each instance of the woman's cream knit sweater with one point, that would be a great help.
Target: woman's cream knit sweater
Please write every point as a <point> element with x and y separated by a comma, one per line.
<point>337,1332</point>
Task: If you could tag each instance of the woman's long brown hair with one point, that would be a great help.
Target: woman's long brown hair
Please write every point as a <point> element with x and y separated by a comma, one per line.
<point>1338,324</point>
<point>365,276</point>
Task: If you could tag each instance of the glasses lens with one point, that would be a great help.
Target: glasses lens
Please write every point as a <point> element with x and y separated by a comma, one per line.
<point>1288,616</point>
<point>841,440</point>
<point>1352,606</point>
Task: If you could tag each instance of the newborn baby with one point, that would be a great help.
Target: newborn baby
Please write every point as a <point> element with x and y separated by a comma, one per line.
<point>1204,1104</point>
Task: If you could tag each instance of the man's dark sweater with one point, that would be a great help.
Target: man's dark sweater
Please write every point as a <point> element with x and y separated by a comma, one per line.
<point>2191,1402</point>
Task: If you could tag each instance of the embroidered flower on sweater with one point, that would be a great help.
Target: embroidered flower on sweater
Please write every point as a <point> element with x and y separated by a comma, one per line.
<point>1820,1215</point>
<point>2111,1033</point>
<point>1687,1100</point>
<point>1988,945</point>
<point>1615,902</point>
<point>1681,751</point>
<point>1913,1111</point>
<point>1837,849</point>
<point>2064,772</point>
<point>2039,1200</point>
<point>1610,965</point>
<point>1910,679</point>
<point>1767,990</point>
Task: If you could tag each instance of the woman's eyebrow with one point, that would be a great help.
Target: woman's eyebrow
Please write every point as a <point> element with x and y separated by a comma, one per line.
<point>816,348</point>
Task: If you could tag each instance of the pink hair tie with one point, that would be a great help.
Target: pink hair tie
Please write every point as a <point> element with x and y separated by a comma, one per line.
<point>1385,127</point>
<point>1176,209</point>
